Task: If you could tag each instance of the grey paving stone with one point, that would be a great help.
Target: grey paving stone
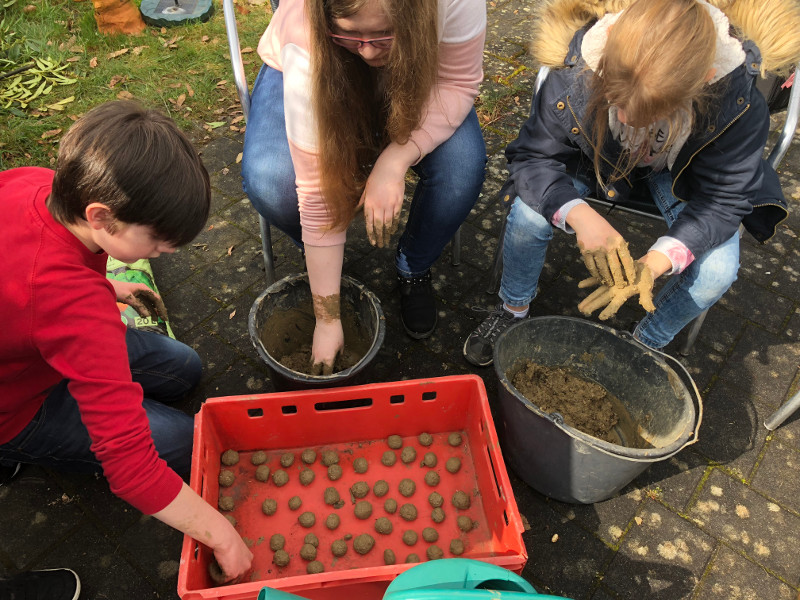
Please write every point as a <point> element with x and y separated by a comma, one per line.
<point>733,576</point>
<point>219,153</point>
<point>673,481</point>
<point>757,304</point>
<point>770,478</point>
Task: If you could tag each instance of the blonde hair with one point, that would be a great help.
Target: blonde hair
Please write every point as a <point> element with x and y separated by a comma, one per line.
<point>359,109</point>
<point>655,61</point>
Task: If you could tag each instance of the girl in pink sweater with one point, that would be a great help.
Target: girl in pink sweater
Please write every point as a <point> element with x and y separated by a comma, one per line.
<point>352,95</point>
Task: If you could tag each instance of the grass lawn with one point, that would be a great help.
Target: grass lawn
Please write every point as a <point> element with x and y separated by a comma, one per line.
<point>70,67</point>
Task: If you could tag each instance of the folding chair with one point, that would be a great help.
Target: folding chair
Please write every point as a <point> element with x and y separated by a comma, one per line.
<point>243,90</point>
<point>775,157</point>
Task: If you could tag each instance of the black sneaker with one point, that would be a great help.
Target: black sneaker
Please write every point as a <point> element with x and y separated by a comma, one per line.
<point>48,584</point>
<point>479,347</point>
<point>417,305</point>
<point>8,473</point>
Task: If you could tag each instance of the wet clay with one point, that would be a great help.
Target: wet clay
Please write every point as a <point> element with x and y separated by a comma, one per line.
<point>334,472</point>
<point>363,543</point>
<point>288,334</point>
<point>585,405</point>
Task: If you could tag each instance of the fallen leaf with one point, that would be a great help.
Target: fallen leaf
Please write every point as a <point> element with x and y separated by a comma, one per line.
<point>233,314</point>
<point>181,100</point>
<point>247,50</point>
<point>52,133</point>
<point>554,539</point>
<point>222,82</point>
<point>210,227</point>
<point>242,10</point>
<point>93,62</point>
<point>117,53</point>
<point>115,80</point>
<point>239,157</point>
<point>124,95</point>
<point>230,250</point>
<point>215,124</point>
<point>235,120</point>
<point>175,86</point>
<point>204,39</point>
<point>190,90</point>
<point>73,59</point>
<point>138,50</point>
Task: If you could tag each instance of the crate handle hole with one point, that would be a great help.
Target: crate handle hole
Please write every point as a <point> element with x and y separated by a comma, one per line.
<point>343,404</point>
<point>494,475</point>
<point>289,409</point>
<point>255,412</point>
<point>505,516</point>
<point>426,396</point>
<point>397,399</point>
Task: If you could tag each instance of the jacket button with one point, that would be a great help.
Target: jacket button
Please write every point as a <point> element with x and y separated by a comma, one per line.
<point>754,65</point>
<point>740,101</point>
<point>560,106</point>
<point>575,131</point>
<point>611,193</point>
<point>711,129</point>
<point>573,58</point>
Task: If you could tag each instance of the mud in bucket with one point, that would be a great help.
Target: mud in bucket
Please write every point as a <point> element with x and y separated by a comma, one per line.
<point>271,330</point>
<point>660,408</point>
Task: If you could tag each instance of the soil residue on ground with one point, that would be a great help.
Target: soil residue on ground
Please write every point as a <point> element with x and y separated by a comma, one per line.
<point>585,405</point>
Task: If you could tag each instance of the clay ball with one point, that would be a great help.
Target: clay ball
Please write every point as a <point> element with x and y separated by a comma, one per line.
<point>381,488</point>
<point>429,460</point>
<point>258,458</point>
<point>453,465</point>
<point>226,503</point>
<point>329,457</point>
<point>389,458</point>
<point>307,519</point>
<point>360,465</point>
<point>331,496</point>
<point>408,455</point>
<point>311,539</point>
<point>280,477</point>
<point>295,502</point>
<point>277,542</point>
<point>306,476</point>
<point>281,558</point>
<point>348,536</point>
<point>425,439</point>
<point>332,522</point>
<point>383,525</point>
<point>407,487</point>
<point>262,473</point>
<point>408,512</point>
<point>454,439</point>
<point>395,442</point>
<point>412,558</point>
<point>287,459</point>
<point>437,514</point>
<point>436,499</point>
<point>308,456</point>
<point>339,548</point>
<point>226,478</point>
<point>315,567</point>
<point>434,552</point>
<point>359,489</point>
<point>308,552</point>
<point>363,509</point>
<point>334,472</point>
<point>229,457</point>
<point>269,506</point>
<point>457,547</point>
<point>231,519</point>
<point>390,506</point>
<point>409,537</point>
<point>432,478</point>
<point>461,500</point>
<point>389,557</point>
<point>217,574</point>
<point>363,543</point>
<point>429,534</point>
<point>464,523</point>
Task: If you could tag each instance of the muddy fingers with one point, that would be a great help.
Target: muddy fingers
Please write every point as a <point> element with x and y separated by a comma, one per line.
<point>613,297</point>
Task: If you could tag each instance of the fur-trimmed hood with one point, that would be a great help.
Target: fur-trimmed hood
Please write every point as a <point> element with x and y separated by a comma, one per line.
<point>772,24</point>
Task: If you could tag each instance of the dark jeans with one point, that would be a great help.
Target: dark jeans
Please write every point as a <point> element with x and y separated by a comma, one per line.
<point>166,370</point>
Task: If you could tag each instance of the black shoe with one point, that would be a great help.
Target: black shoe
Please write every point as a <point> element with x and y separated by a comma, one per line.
<point>479,346</point>
<point>417,305</point>
<point>8,473</point>
<point>48,584</point>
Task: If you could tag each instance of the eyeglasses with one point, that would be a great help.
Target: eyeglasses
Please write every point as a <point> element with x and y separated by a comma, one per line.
<point>352,43</point>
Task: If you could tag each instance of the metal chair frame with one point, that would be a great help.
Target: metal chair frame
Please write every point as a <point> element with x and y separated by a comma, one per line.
<point>240,79</point>
<point>775,157</point>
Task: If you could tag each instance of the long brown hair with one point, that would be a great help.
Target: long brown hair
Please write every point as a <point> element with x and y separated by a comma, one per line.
<point>360,109</point>
<point>656,60</point>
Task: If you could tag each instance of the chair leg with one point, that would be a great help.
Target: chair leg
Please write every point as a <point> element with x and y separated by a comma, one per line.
<point>497,265</point>
<point>687,347</point>
<point>457,248</point>
<point>266,250</point>
<point>783,413</point>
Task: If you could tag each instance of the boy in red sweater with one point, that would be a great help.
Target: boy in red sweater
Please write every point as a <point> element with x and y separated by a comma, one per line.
<point>79,390</point>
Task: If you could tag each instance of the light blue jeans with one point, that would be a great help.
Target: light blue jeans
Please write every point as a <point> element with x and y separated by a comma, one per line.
<point>450,179</point>
<point>683,298</point>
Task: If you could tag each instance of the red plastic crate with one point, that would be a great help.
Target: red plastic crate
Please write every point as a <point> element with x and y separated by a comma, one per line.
<point>354,421</point>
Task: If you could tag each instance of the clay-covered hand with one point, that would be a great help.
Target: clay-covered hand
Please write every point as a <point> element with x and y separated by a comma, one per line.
<point>382,200</point>
<point>143,300</point>
<point>613,297</point>
<point>328,334</point>
<point>611,265</point>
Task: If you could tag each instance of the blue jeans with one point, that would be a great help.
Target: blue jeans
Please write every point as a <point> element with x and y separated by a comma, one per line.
<point>684,297</point>
<point>166,369</point>
<point>450,179</point>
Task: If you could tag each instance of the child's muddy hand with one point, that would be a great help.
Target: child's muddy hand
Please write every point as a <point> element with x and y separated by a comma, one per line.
<point>611,265</point>
<point>322,368</point>
<point>611,298</point>
<point>328,343</point>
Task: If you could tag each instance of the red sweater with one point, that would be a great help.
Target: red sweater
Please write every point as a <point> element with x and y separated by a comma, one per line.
<point>61,322</point>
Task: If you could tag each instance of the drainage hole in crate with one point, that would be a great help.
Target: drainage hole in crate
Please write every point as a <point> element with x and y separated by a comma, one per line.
<point>255,412</point>
<point>429,396</point>
<point>494,474</point>
<point>505,516</point>
<point>344,404</point>
<point>289,409</point>
<point>397,399</point>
